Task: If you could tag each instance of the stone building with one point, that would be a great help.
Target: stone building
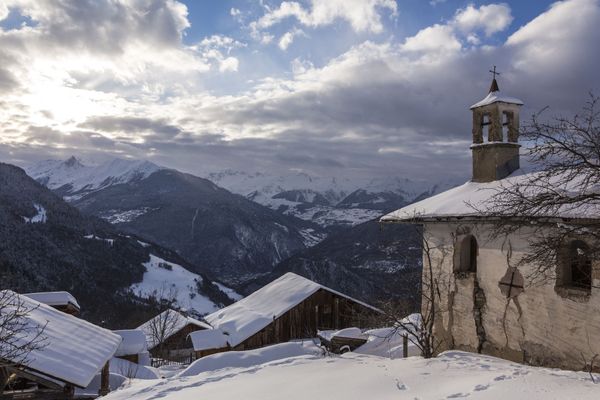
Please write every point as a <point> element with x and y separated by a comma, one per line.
<point>486,301</point>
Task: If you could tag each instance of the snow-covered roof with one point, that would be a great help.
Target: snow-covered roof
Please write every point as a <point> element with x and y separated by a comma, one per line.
<point>209,339</point>
<point>254,312</point>
<point>73,351</point>
<point>54,298</point>
<point>473,200</point>
<point>172,321</point>
<point>134,342</point>
<point>496,97</point>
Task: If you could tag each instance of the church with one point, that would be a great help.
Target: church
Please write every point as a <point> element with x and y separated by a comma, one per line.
<point>484,300</point>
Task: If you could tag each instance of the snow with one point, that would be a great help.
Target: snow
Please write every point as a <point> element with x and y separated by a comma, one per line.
<point>134,342</point>
<point>386,342</point>
<point>232,294</point>
<point>208,339</point>
<point>132,370</point>
<point>254,312</point>
<point>472,199</point>
<point>452,375</point>
<point>352,333</point>
<point>82,179</point>
<point>251,358</point>
<point>120,372</point>
<point>175,322</point>
<point>75,350</point>
<point>54,298</point>
<point>94,237</point>
<point>119,217</point>
<point>262,187</point>
<point>173,281</point>
<point>40,217</point>
<point>496,97</point>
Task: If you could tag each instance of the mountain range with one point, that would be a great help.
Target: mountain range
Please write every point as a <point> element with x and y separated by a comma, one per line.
<point>327,201</point>
<point>223,234</point>
<point>257,226</point>
<point>47,244</point>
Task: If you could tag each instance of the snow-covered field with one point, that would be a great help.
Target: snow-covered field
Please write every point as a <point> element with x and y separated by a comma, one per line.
<point>452,375</point>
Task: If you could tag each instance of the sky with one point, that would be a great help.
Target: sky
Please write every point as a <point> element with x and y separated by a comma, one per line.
<point>352,88</point>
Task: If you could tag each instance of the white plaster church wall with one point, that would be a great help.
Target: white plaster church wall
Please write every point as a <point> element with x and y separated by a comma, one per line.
<point>539,326</point>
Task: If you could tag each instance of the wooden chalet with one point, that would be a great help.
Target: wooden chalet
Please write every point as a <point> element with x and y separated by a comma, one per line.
<point>69,355</point>
<point>62,301</point>
<point>290,307</point>
<point>167,335</point>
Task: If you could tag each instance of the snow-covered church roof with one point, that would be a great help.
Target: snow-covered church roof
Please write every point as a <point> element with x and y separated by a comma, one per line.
<point>251,314</point>
<point>496,97</point>
<point>72,350</point>
<point>474,200</point>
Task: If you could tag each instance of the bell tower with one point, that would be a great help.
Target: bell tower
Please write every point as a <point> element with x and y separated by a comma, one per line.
<point>495,145</point>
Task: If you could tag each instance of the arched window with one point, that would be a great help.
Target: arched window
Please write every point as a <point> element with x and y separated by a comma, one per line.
<point>467,252</point>
<point>580,265</point>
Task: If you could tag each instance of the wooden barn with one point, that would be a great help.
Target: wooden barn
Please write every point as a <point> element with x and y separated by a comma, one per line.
<point>290,307</point>
<point>62,301</point>
<point>67,352</point>
<point>167,335</point>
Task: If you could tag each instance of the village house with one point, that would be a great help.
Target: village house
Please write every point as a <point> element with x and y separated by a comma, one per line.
<point>68,354</point>
<point>167,335</point>
<point>290,307</point>
<point>62,301</point>
<point>485,302</point>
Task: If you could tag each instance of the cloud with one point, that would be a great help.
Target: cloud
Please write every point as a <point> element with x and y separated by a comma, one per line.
<point>288,38</point>
<point>363,15</point>
<point>434,38</point>
<point>3,11</point>
<point>393,106</point>
<point>217,48</point>
<point>490,18</point>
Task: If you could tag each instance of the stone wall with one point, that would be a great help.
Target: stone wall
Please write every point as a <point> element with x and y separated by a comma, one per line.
<point>538,324</point>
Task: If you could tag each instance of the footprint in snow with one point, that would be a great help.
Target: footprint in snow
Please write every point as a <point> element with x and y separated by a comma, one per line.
<point>502,378</point>
<point>458,395</point>
<point>480,388</point>
<point>400,385</point>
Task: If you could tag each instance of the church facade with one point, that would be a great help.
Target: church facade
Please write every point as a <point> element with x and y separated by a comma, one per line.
<point>486,303</point>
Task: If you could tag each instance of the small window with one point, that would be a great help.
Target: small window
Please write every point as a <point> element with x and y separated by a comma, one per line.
<point>580,265</point>
<point>485,127</point>
<point>467,255</point>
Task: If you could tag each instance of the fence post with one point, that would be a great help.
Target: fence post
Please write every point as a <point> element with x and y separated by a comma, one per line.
<point>405,345</point>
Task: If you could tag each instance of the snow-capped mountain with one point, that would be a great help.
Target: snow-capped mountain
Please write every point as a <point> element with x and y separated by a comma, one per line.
<point>327,201</point>
<point>73,180</point>
<point>220,233</point>
<point>47,244</point>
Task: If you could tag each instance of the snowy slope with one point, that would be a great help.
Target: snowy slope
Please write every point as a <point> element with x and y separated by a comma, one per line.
<point>452,375</point>
<point>171,281</point>
<point>73,179</point>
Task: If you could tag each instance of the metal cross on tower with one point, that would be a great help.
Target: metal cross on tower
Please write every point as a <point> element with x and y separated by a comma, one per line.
<point>494,86</point>
<point>494,73</point>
